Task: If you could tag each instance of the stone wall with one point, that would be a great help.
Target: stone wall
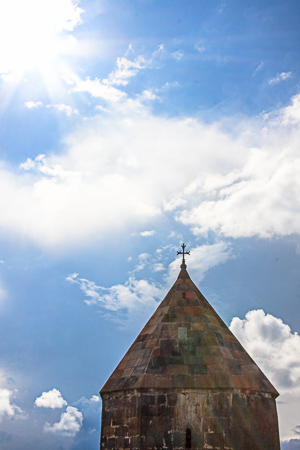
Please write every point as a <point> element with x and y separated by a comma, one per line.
<point>162,419</point>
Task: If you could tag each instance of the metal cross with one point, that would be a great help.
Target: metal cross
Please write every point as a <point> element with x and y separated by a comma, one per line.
<point>183,253</point>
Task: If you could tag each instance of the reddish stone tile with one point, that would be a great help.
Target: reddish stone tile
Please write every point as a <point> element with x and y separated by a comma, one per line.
<point>206,336</point>
<point>190,294</point>
<point>193,310</point>
<point>212,360</point>
<point>197,326</point>
<point>177,370</point>
<point>162,381</point>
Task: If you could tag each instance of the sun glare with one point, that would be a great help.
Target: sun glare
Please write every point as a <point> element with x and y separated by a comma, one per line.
<point>34,33</point>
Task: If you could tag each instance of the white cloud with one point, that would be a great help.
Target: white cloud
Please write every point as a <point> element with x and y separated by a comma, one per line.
<point>69,425</point>
<point>259,196</point>
<point>273,346</point>
<point>126,304</point>
<point>99,89</point>
<point>291,114</point>
<point>147,233</point>
<point>31,164</point>
<point>201,259</point>
<point>31,104</point>
<point>7,408</point>
<point>67,109</point>
<point>259,200</point>
<point>158,267</point>
<point>126,69</point>
<point>276,350</point>
<point>148,95</point>
<point>71,194</point>
<point>51,399</point>
<point>64,186</point>
<point>280,77</point>
<point>135,300</point>
<point>177,55</point>
<point>243,184</point>
<point>259,67</point>
<point>200,47</point>
<point>174,203</point>
<point>144,256</point>
<point>126,296</point>
<point>91,410</point>
<point>144,260</point>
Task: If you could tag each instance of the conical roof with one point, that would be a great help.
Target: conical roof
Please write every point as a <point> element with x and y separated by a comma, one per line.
<point>186,345</point>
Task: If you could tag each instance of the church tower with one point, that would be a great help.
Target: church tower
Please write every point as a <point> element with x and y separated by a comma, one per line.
<point>187,383</point>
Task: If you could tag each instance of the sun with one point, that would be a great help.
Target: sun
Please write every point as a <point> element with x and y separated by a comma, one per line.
<point>35,33</point>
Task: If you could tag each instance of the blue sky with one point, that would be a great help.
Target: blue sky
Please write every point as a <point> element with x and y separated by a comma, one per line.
<point>127,128</point>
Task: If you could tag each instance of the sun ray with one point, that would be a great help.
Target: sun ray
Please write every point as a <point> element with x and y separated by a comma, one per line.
<point>38,36</point>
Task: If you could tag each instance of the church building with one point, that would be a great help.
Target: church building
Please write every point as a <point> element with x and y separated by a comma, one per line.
<point>187,383</point>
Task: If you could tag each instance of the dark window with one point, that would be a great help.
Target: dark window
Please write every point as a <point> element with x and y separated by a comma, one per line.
<point>188,438</point>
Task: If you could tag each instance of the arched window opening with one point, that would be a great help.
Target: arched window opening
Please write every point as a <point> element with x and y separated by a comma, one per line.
<point>188,438</point>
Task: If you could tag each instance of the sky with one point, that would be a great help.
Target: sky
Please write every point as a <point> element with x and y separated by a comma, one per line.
<point>126,129</point>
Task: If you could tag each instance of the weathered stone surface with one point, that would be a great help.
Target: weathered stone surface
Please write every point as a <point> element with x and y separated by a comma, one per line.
<point>158,419</point>
<point>185,336</point>
<point>186,382</point>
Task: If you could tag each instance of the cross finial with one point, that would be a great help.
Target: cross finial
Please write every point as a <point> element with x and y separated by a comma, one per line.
<point>183,265</point>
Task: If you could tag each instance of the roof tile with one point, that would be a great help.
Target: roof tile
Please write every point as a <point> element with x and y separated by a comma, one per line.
<point>185,344</point>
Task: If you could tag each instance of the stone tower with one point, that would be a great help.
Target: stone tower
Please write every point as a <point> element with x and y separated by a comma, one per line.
<point>186,382</point>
